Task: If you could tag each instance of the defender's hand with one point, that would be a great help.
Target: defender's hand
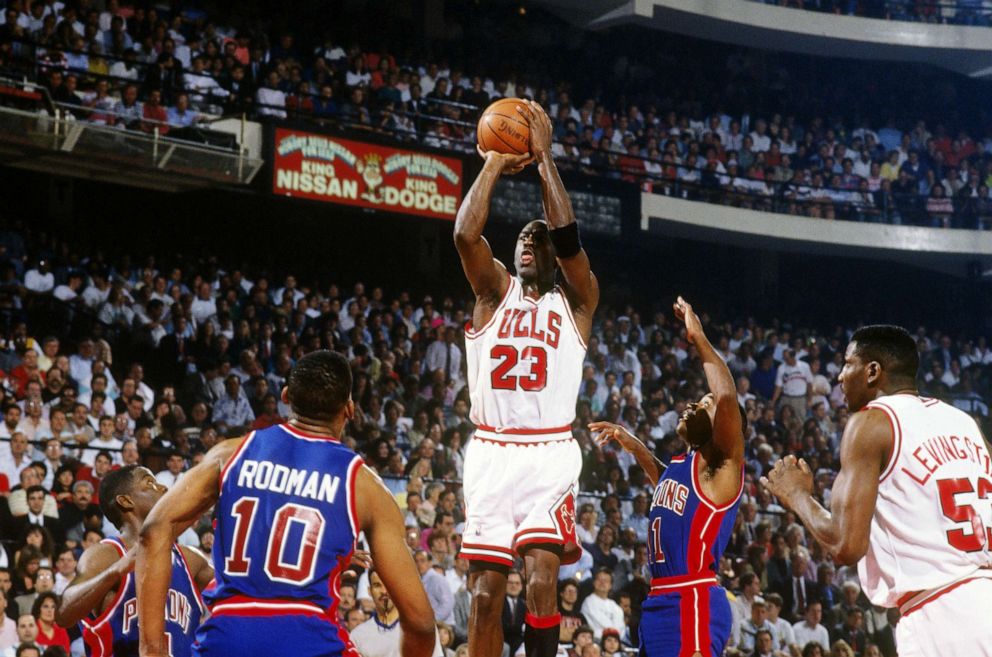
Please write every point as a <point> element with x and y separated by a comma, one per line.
<point>789,480</point>
<point>507,164</point>
<point>609,431</point>
<point>685,313</point>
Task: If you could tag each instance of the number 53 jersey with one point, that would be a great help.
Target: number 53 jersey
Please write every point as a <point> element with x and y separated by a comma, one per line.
<point>525,364</point>
<point>286,529</point>
<point>933,518</point>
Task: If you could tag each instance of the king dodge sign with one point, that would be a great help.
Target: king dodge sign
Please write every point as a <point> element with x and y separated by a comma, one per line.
<point>324,168</point>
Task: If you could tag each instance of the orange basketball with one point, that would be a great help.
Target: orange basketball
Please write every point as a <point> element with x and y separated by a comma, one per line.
<point>503,129</point>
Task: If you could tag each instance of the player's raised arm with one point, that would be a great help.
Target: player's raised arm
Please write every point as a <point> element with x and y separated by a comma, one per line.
<point>727,428</point>
<point>101,570</point>
<point>582,285</point>
<point>649,462</point>
<point>382,523</point>
<point>178,510</point>
<point>844,530</point>
<point>486,276</point>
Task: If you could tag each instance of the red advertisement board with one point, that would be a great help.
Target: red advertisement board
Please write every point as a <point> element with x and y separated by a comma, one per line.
<point>335,170</point>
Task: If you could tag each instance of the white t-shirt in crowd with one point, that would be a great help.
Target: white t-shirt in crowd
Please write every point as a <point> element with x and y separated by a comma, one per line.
<point>794,379</point>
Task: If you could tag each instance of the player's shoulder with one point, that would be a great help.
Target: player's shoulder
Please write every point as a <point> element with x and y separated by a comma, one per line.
<point>100,556</point>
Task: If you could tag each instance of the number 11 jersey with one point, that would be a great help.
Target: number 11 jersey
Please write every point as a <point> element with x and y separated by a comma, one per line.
<point>525,364</point>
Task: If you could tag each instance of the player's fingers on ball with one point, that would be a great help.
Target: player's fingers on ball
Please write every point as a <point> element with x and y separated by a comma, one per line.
<point>804,466</point>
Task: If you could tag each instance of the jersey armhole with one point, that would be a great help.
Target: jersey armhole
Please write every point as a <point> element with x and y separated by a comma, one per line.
<point>353,469</point>
<point>470,332</point>
<point>234,459</point>
<point>571,316</point>
<point>896,437</point>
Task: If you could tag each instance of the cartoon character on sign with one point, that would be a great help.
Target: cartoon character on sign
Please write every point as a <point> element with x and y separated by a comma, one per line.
<point>370,167</point>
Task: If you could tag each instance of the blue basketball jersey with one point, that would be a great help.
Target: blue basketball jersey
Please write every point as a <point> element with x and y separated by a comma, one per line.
<point>285,530</point>
<point>687,532</point>
<point>115,631</point>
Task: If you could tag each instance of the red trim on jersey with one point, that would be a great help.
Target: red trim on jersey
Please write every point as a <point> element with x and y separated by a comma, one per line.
<point>689,624</point>
<point>494,548</point>
<point>526,432</point>
<point>933,597</point>
<point>896,436</point>
<point>704,645</point>
<point>542,622</point>
<point>99,619</point>
<point>335,591</point>
<point>192,581</point>
<point>697,486</point>
<point>233,459</point>
<point>571,318</point>
<point>468,556</point>
<point>678,459</point>
<point>520,443</point>
<point>288,428</point>
<point>471,333</point>
<point>274,607</point>
<point>100,641</point>
<point>680,581</point>
<point>353,469</point>
<point>539,540</point>
<point>477,552</point>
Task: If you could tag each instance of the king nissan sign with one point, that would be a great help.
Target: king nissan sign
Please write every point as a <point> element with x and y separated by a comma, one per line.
<point>334,170</point>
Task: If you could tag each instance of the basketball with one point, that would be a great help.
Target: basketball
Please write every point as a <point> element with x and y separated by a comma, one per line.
<point>503,129</point>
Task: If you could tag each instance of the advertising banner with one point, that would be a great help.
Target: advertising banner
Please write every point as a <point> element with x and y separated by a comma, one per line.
<point>335,170</point>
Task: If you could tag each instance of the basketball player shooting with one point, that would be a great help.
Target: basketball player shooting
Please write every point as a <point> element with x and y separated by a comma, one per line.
<point>910,504</point>
<point>525,351</point>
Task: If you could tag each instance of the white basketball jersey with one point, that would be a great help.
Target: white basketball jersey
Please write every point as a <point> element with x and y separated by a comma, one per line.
<point>525,366</point>
<point>933,518</point>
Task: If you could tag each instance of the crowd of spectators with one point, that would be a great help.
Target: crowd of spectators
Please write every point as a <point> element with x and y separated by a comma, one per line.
<point>208,349</point>
<point>143,69</point>
<point>951,12</point>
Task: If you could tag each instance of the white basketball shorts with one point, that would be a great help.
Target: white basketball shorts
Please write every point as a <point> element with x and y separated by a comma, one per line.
<point>950,622</point>
<point>518,494</point>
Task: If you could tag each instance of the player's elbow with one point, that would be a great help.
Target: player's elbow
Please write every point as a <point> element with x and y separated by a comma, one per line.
<point>464,237</point>
<point>63,615</point>
<point>850,552</point>
<point>420,623</point>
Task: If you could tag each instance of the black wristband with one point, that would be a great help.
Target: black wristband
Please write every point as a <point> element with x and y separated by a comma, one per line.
<point>566,240</point>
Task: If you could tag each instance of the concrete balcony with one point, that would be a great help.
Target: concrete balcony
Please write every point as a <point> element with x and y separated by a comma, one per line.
<point>957,252</point>
<point>964,49</point>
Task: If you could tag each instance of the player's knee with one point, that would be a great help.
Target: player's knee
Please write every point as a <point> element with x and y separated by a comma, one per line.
<point>485,603</point>
<point>541,581</point>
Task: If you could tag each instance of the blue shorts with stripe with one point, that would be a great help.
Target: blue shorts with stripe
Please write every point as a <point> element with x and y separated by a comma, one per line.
<point>682,622</point>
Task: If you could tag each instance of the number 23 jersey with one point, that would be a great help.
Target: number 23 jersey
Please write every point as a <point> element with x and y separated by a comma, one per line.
<point>525,364</point>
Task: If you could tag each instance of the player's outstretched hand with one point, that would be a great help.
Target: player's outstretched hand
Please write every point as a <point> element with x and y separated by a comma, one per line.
<point>608,431</point>
<point>685,313</point>
<point>540,126</point>
<point>789,480</point>
<point>507,163</point>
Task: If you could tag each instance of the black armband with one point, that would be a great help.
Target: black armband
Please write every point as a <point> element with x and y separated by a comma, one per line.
<point>566,240</point>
